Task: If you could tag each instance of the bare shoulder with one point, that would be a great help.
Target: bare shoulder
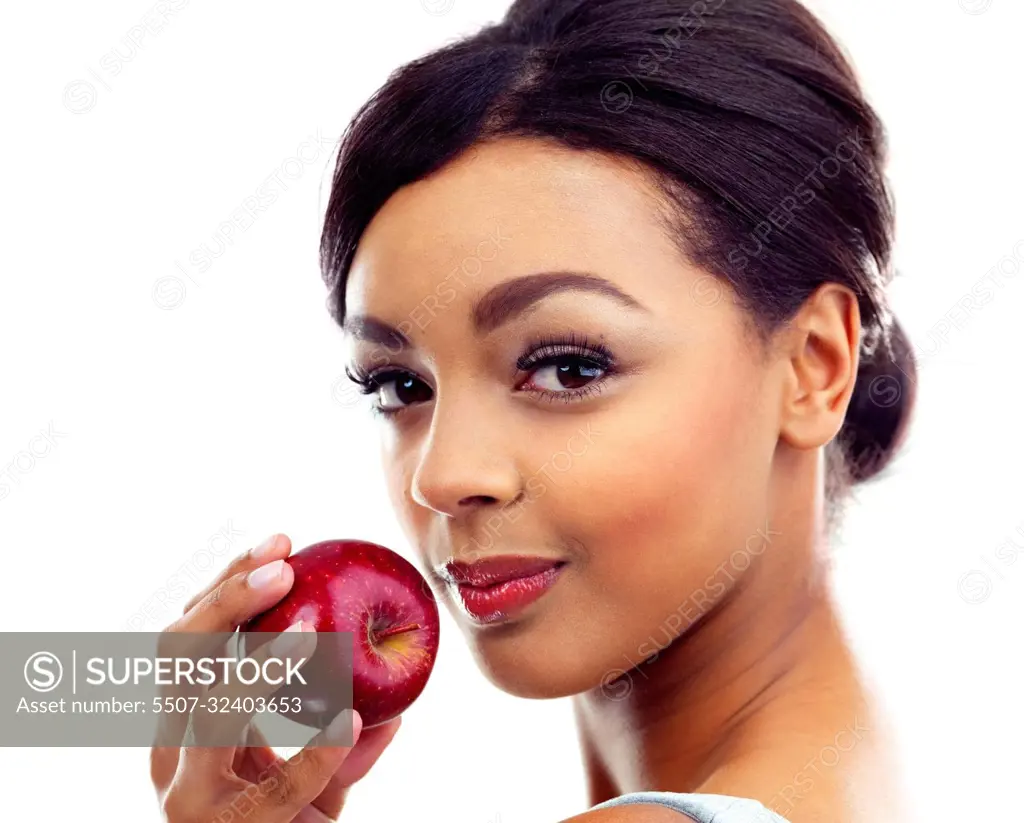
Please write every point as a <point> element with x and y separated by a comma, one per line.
<point>633,813</point>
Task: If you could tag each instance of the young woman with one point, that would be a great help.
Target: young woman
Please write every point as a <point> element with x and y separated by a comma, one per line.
<point>614,272</point>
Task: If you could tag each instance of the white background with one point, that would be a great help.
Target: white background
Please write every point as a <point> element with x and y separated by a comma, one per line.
<point>171,425</point>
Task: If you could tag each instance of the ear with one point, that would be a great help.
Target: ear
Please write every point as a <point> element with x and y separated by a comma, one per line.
<point>823,352</point>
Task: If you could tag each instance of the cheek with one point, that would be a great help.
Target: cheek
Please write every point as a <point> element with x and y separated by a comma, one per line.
<point>675,486</point>
<point>414,519</point>
<point>659,504</point>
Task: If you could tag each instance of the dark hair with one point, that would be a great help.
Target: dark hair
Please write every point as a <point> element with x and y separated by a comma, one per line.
<point>747,115</point>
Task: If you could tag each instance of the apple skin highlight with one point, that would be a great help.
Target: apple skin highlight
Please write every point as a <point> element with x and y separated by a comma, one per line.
<point>382,599</point>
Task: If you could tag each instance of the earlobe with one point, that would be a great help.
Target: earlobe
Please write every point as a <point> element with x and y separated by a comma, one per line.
<point>824,353</point>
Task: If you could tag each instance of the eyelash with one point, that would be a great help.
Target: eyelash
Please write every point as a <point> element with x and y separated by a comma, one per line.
<point>543,351</point>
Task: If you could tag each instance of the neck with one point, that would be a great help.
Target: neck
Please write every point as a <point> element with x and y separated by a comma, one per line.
<point>744,699</point>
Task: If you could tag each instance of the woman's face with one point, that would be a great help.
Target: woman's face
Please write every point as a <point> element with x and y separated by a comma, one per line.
<point>646,473</point>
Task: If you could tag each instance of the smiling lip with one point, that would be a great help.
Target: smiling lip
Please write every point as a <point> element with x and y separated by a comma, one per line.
<point>496,588</point>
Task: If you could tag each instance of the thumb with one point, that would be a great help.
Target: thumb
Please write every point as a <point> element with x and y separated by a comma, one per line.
<point>294,783</point>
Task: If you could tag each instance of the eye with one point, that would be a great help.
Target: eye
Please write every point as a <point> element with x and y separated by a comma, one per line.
<point>567,372</point>
<point>566,368</point>
<point>396,390</point>
<point>400,390</point>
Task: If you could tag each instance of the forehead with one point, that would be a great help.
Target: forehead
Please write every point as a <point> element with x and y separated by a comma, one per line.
<point>511,208</point>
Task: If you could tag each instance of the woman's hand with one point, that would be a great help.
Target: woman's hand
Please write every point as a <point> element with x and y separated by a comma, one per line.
<point>252,784</point>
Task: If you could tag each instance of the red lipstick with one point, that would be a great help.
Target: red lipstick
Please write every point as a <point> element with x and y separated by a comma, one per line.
<point>496,588</point>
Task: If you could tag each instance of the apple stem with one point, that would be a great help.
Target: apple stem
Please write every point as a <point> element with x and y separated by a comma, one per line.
<point>393,630</point>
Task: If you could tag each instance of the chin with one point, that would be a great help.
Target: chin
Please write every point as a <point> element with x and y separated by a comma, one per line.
<point>525,661</point>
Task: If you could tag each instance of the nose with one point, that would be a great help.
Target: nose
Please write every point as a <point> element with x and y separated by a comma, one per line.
<point>466,463</point>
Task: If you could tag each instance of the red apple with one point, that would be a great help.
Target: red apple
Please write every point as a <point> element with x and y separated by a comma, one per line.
<point>359,587</point>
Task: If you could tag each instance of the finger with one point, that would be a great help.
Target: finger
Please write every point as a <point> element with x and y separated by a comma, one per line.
<point>360,760</point>
<point>218,722</point>
<point>250,756</point>
<point>275,547</point>
<point>296,782</point>
<point>237,598</point>
<point>256,757</point>
<point>372,743</point>
<point>260,570</point>
<point>175,698</point>
<point>292,648</point>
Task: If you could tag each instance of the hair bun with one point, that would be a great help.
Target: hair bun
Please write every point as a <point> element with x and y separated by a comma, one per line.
<point>880,409</point>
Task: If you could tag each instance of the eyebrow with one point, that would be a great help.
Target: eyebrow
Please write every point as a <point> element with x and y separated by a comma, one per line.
<point>501,304</point>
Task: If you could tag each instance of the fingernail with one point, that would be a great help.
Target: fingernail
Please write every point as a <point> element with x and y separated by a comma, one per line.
<point>266,547</point>
<point>340,732</point>
<point>266,575</point>
<point>289,639</point>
